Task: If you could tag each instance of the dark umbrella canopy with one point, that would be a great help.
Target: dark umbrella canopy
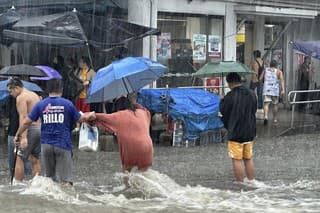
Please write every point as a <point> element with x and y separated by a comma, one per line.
<point>8,18</point>
<point>22,69</point>
<point>77,29</point>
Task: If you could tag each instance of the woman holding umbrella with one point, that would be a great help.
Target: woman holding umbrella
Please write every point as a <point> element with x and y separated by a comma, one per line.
<point>130,123</point>
<point>86,74</point>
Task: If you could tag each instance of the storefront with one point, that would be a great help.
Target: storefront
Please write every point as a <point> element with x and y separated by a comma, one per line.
<point>186,43</point>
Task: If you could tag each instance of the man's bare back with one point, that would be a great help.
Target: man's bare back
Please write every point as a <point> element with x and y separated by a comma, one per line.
<point>255,67</point>
<point>25,102</point>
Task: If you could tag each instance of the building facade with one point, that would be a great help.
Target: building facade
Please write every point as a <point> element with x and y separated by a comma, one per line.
<point>194,32</point>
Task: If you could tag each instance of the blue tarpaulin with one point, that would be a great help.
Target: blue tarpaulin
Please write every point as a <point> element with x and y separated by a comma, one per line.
<point>197,108</point>
<point>310,48</point>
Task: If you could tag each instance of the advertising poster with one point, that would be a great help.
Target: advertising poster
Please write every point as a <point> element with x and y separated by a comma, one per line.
<point>214,46</point>
<point>199,47</point>
<point>164,46</point>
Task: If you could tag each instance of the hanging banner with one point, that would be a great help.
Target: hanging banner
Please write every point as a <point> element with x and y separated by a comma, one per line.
<point>164,46</point>
<point>199,47</point>
<point>214,46</point>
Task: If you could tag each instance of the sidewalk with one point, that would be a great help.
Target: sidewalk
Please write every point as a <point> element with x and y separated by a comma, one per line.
<point>302,123</point>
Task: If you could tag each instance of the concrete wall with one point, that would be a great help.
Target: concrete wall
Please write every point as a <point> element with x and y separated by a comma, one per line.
<point>144,12</point>
<point>194,6</point>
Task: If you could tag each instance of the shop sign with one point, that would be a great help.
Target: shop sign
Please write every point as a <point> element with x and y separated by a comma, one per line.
<point>214,46</point>
<point>164,46</point>
<point>199,47</point>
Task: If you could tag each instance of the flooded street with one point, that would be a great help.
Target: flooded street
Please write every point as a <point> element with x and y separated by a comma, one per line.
<point>194,179</point>
<point>180,60</point>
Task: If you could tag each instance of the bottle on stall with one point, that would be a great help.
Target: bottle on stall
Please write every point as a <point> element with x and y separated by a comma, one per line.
<point>178,133</point>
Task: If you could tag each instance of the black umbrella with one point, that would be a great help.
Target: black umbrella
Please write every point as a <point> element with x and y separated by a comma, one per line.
<point>22,69</point>
<point>77,29</point>
<point>9,18</point>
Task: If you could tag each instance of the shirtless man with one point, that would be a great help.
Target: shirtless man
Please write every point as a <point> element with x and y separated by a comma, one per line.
<point>29,143</point>
<point>257,65</point>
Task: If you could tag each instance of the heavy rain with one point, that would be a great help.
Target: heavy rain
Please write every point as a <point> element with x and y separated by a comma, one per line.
<point>202,77</point>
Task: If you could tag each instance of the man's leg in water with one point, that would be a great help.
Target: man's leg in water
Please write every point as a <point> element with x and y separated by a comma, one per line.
<point>34,148</point>
<point>249,167</point>
<point>19,169</point>
<point>238,169</point>
<point>36,167</point>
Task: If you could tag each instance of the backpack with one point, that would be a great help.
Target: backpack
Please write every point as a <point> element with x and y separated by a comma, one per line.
<point>261,68</point>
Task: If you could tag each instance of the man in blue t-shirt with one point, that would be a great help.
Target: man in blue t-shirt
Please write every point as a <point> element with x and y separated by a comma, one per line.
<point>57,116</point>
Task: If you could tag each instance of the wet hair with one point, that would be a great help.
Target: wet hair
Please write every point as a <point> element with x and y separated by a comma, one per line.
<point>54,85</point>
<point>233,77</point>
<point>124,103</point>
<point>86,60</point>
<point>273,63</point>
<point>257,53</point>
<point>15,82</point>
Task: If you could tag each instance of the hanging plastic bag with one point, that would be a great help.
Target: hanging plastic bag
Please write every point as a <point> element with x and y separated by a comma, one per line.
<point>88,137</point>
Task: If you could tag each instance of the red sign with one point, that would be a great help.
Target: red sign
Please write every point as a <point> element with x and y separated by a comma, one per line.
<point>213,82</point>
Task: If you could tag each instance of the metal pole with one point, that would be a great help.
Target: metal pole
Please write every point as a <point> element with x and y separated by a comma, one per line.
<point>274,43</point>
<point>14,165</point>
<point>293,108</point>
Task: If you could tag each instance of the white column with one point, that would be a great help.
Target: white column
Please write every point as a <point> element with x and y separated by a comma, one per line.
<point>258,34</point>
<point>230,31</point>
<point>230,42</point>
<point>144,12</point>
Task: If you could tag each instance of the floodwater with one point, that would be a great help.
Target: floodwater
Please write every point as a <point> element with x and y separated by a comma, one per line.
<point>194,179</point>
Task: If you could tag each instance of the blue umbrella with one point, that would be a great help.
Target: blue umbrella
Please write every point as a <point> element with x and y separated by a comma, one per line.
<point>310,48</point>
<point>49,71</point>
<point>4,92</point>
<point>123,77</point>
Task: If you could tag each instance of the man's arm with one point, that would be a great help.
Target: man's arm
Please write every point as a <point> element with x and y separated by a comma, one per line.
<point>254,67</point>
<point>262,75</point>
<point>21,104</point>
<point>225,110</point>
<point>20,140</point>
<point>281,81</point>
<point>23,126</point>
<point>88,116</point>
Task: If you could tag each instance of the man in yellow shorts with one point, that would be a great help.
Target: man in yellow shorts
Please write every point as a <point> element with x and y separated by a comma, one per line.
<point>238,109</point>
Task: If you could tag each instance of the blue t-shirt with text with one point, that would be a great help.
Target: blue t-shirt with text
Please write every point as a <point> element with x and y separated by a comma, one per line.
<point>57,115</point>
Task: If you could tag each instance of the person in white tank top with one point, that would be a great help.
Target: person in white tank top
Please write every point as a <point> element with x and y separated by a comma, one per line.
<point>272,89</point>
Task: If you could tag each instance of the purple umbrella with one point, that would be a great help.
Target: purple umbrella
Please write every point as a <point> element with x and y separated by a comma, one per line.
<point>49,71</point>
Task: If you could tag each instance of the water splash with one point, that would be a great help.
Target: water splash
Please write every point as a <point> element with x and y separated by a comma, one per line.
<point>154,191</point>
<point>46,187</point>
